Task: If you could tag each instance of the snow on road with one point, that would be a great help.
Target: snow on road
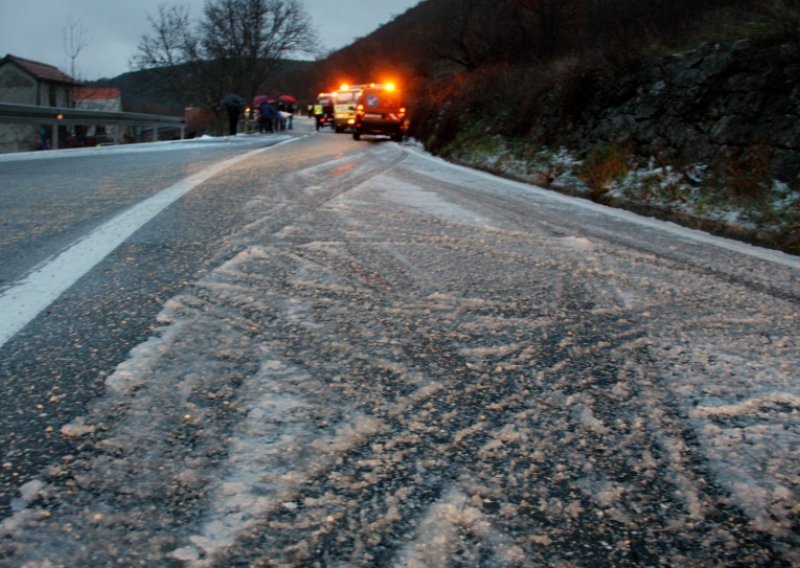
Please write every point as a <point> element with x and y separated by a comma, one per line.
<point>429,368</point>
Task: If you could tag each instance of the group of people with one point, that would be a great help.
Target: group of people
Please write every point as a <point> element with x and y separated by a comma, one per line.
<point>272,117</point>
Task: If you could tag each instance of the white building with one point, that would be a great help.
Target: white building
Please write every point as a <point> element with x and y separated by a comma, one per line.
<point>98,98</point>
<point>27,82</point>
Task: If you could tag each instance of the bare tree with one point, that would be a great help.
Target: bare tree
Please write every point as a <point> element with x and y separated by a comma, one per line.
<point>249,38</point>
<point>76,39</point>
<point>170,52</point>
<point>464,33</point>
<point>475,33</point>
<point>235,47</point>
<point>547,25</point>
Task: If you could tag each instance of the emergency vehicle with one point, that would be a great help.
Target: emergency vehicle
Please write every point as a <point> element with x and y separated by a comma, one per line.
<point>326,105</point>
<point>380,110</point>
<point>344,106</point>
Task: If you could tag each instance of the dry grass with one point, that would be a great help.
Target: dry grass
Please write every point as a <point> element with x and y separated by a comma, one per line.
<point>605,164</point>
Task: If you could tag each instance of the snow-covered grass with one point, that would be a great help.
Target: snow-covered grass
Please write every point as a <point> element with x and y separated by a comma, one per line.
<point>768,214</point>
<point>696,191</point>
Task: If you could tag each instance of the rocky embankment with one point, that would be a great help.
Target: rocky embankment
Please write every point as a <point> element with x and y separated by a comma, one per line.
<point>717,104</point>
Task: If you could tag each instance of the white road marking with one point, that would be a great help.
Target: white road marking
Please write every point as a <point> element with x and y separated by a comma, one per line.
<point>33,294</point>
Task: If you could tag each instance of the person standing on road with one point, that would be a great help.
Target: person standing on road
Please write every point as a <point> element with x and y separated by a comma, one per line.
<point>261,125</point>
<point>280,119</point>
<point>318,111</point>
<point>268,116</point>
<point>233,104</point>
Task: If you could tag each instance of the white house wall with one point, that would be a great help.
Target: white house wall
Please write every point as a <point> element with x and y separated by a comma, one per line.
<point>19,87</point>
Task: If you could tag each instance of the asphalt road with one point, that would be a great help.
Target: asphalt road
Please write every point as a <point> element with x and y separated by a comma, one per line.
<point>59,362</point>
<point>340,353</point>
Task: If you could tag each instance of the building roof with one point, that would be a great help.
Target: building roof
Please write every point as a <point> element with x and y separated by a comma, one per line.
<point>96,93</point>
<point>39,70</point>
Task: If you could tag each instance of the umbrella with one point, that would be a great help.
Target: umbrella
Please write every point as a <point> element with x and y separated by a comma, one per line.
<point>232,99</point>
<point>260,100</point>
<point>287,99</point>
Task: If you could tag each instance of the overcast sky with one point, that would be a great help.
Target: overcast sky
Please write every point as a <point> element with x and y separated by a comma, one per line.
<point>34,29</point>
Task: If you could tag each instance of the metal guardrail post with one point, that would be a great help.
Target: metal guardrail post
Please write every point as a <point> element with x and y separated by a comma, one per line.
<point>56,116</point>
<point>59,117</point>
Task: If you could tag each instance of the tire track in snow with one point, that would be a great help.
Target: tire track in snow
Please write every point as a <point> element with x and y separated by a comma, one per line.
<point>387,500</point>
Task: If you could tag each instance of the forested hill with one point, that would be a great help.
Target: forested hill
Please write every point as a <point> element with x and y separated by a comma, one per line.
<point>140,92</point>
<point>440,37</point>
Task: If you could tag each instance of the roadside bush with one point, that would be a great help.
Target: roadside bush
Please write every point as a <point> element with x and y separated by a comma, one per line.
<point>519,92</point>
<point>779,19</point>
<point>435,114</point>
<point>505,99</point>
<point>749,175</point>
<point>605,164</point>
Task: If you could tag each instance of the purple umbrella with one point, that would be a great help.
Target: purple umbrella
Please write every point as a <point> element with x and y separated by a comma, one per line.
<point>260,100</point>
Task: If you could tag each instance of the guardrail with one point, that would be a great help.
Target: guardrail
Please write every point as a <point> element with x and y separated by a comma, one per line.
<point>56,116</point>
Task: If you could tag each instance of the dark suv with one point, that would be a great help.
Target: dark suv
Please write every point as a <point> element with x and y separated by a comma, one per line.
<point>380,110</point>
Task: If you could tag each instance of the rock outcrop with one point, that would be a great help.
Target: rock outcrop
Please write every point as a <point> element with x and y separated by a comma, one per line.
<point>719,104</point>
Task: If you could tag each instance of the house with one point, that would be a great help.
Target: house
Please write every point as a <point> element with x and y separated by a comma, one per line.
<point>108,99</point>
<point>99,98</point>
<point>27,82</point>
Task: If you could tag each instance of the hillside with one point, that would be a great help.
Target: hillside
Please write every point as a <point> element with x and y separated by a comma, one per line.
<point>683,110</point>
<point>140,92</point>
<point>138,96</point>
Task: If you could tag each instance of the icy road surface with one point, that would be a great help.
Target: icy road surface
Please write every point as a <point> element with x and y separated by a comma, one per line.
<point>406,363</point>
